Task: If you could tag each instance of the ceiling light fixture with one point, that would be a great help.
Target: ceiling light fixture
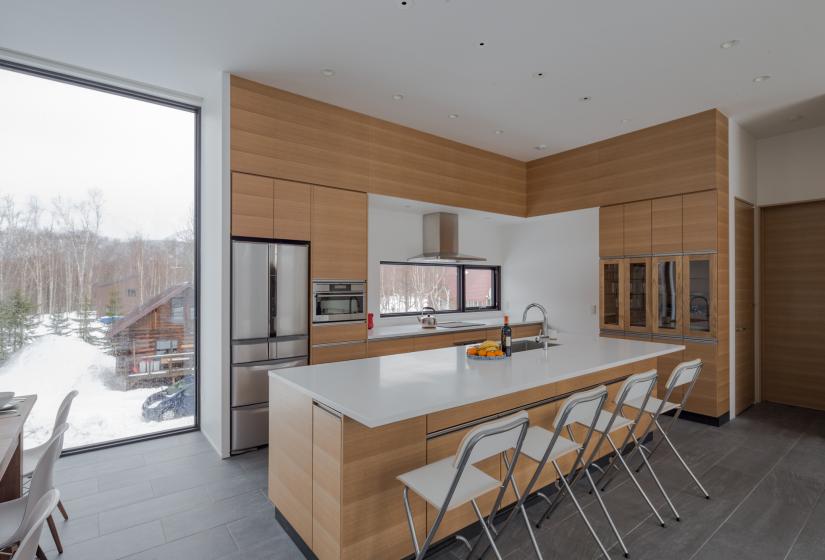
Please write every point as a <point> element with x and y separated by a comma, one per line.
<point>760,79</point>
<point>499,132</point>
<point>481,44</point>
<point>585,99</point>
<point>328,72</point>
<point>453,116</point>
<point>729,44</point>
<point>540,147</point>
<point>405,3</point>
<point>625,121</point>
<point>538,75</point>
<point>398,96</point>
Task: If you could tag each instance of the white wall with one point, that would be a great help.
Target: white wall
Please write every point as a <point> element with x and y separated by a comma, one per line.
<point>791,167</point>
<point>552,260</point>
<point>742,185</point>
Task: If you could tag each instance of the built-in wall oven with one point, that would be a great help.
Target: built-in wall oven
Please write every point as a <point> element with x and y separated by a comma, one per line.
<point>338,301</point>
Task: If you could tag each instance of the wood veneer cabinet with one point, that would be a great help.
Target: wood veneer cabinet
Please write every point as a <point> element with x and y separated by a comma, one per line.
<point>253,206</point>
<point>699,222</point>
<point>612,294</point>
<point>377,348</point>
<point>611,231</point>
<point>699,294</point>
<point>339,234</point>
<point>292,210</point>
<point>637,228</point>
<point>666,295</point>
<point>666,225</point>
<point>638,314</point>
<point>338,352</point>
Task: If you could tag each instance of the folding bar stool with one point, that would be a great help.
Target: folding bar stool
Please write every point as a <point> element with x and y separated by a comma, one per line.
<point>636,388</point>
<point>543,446</point>
<point>684,374</point>
<point>454,481</point>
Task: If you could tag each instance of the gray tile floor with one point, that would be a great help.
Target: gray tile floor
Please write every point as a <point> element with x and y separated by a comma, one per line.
<point>173,498</point>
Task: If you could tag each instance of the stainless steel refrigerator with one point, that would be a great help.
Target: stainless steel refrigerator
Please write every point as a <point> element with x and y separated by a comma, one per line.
<point>270,326</point>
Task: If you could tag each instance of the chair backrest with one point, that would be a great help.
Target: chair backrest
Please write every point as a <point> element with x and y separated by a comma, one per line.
<point>43,475</point>
<point>33,525</point>
<point>684,374</point>
<point>491,438</point>
<point>581,408</point>
<point>63,410</point>
<point>637,386</point>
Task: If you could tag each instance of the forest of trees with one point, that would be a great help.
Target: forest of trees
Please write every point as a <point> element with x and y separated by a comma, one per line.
<point>52,254</point>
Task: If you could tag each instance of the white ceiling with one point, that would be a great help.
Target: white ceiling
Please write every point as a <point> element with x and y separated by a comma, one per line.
<point>647,61</point>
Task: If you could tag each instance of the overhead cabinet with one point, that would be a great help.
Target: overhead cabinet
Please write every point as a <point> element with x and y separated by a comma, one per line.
<point>666,225</point>
<point>611,231</point>
<point>637,228</point>
<point>269,208</point>
<point>339,234</point>
<point>699,222</point>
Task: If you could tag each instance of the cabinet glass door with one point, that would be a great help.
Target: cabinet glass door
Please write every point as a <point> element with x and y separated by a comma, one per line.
<point>610,296</point>
<point>700,277</point>
<point>638,295</point>
<point>667,290</point>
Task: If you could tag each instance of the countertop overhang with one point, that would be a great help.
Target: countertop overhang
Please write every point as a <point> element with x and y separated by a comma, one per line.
<point>379,391</point>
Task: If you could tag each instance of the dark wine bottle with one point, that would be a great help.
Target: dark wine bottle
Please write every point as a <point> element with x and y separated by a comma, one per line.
<point>507,337</point>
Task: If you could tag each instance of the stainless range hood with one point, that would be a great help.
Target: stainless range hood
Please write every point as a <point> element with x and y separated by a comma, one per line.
<point>441,240</point>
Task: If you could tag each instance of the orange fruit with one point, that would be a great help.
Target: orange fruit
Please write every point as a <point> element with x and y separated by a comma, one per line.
<point>472,351</point>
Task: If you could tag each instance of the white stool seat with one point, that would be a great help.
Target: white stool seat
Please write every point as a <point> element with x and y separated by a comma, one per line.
<point>652,405</point>
<point>604,418</point>
<point>433,481</point>
<point>538,439</point>
<point>11,517</point>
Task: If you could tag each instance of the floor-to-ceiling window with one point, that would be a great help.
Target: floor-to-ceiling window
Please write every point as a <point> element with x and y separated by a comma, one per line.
<point>98,239</point>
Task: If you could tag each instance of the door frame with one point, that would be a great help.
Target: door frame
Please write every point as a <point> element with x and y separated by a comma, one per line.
<point>757,390</point>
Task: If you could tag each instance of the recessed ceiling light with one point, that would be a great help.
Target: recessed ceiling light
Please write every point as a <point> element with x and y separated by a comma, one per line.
<point>538,75</point>
<point>540,147</point>
<point>398,96</point>
<point>453,116</point>
<point>759,79</point>
<point>328,72</point>
<point>729,44</point>
<point>625,121</point>
<point>405,3</point>
<point>499,131</point>
<point>585,99</point>
<point>481,44</point>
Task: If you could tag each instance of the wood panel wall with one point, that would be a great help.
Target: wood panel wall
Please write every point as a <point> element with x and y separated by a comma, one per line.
<point>279,134</point>
<point>676,157</point>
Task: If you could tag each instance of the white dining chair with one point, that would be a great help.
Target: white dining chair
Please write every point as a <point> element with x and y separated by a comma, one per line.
<point>29,548</point>
<point>32,456</point>
<point>14,513</point>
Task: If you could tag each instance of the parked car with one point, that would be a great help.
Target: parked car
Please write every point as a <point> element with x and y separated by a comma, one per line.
<point>175,401</point>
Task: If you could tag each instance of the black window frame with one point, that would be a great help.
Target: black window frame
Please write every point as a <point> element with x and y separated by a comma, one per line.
<point>462,304</point>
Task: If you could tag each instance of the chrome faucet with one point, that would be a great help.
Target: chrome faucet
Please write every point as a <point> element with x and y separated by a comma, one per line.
<point>544,335</point>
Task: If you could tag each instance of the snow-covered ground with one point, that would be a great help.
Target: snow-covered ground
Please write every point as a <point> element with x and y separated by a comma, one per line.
<point>51,366</point>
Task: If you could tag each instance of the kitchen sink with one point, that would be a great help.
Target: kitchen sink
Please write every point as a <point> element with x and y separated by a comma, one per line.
<point>530,344</point>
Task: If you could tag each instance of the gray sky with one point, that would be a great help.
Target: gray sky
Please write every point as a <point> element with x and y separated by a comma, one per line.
<point>60,139</point>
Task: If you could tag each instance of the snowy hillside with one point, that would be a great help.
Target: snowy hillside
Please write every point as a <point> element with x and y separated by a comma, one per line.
<point>51,366</point>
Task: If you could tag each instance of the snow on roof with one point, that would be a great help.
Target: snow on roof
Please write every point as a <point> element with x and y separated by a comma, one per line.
<point>153,303</point>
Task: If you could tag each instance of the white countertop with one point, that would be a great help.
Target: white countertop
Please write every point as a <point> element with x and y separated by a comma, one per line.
<point>380,391</point>
<point>414,329</point>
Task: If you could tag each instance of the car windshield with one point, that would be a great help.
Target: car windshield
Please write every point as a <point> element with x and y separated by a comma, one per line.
<point>178,386</point>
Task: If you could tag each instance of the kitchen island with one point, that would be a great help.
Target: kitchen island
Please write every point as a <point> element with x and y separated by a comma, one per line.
<point>340,433</point>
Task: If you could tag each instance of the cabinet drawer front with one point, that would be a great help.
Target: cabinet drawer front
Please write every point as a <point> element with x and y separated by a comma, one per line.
<point>350,332</point>
<point>338,352</point>
<point>388,347</point>
<point>469,337</point>
<point>433,341</point>
<point>524,331</point>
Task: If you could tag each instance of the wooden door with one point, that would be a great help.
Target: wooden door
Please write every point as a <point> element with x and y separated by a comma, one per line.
<point>698,295</point>
<point>666,295</point>
<point>699,221</point>
<point>339,234</point>
<point>292,210</point>
<point>252,206</point>
<point>611,294</point>
<point>666,225</point>
<point>611,231</point>
<point>745,382</point>
<point>793,304</point>
<point>637,314</point>
<point>637,228</point>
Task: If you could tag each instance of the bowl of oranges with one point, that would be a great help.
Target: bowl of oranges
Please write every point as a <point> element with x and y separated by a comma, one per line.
<point>487,350</point>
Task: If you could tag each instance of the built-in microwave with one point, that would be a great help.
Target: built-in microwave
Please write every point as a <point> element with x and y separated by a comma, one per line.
<point>336,301</point>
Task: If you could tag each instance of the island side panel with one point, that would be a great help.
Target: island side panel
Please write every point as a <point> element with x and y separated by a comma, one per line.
<point>290,456</point>
<point>373,521</point>
<point>326,489</point>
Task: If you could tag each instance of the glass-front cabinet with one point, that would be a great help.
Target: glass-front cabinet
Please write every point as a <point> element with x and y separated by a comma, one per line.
<point>667,291</point>
<point>698,294</point>
<point>611,294</point>
<point>638,285</point>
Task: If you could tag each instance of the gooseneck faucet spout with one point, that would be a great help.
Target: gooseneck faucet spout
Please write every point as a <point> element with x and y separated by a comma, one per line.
<point>544,336</point>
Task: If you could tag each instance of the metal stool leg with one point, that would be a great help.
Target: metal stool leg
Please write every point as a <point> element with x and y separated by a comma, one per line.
<point>678,456</point>
<point>486,529</point>
<point>581,511</point>
<point>607,513</point>
<point>656,479</point>
<point>635,482</point>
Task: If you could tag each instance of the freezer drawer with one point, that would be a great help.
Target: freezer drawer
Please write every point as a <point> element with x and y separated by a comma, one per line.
<point>243,352</point>
<point>250,383</point>
<point>250,426</point>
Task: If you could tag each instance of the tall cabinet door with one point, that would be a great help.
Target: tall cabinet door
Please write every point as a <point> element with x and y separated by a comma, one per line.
<point>339,234</point>
<point>611,294</point>
<point>292,210</point>
<point>638,316</point>
<point>699,281</point>
<point>666,296</point>
<point>252,206</point>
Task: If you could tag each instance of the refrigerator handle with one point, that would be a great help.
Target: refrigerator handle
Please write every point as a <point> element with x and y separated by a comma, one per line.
<point>273,290</point>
